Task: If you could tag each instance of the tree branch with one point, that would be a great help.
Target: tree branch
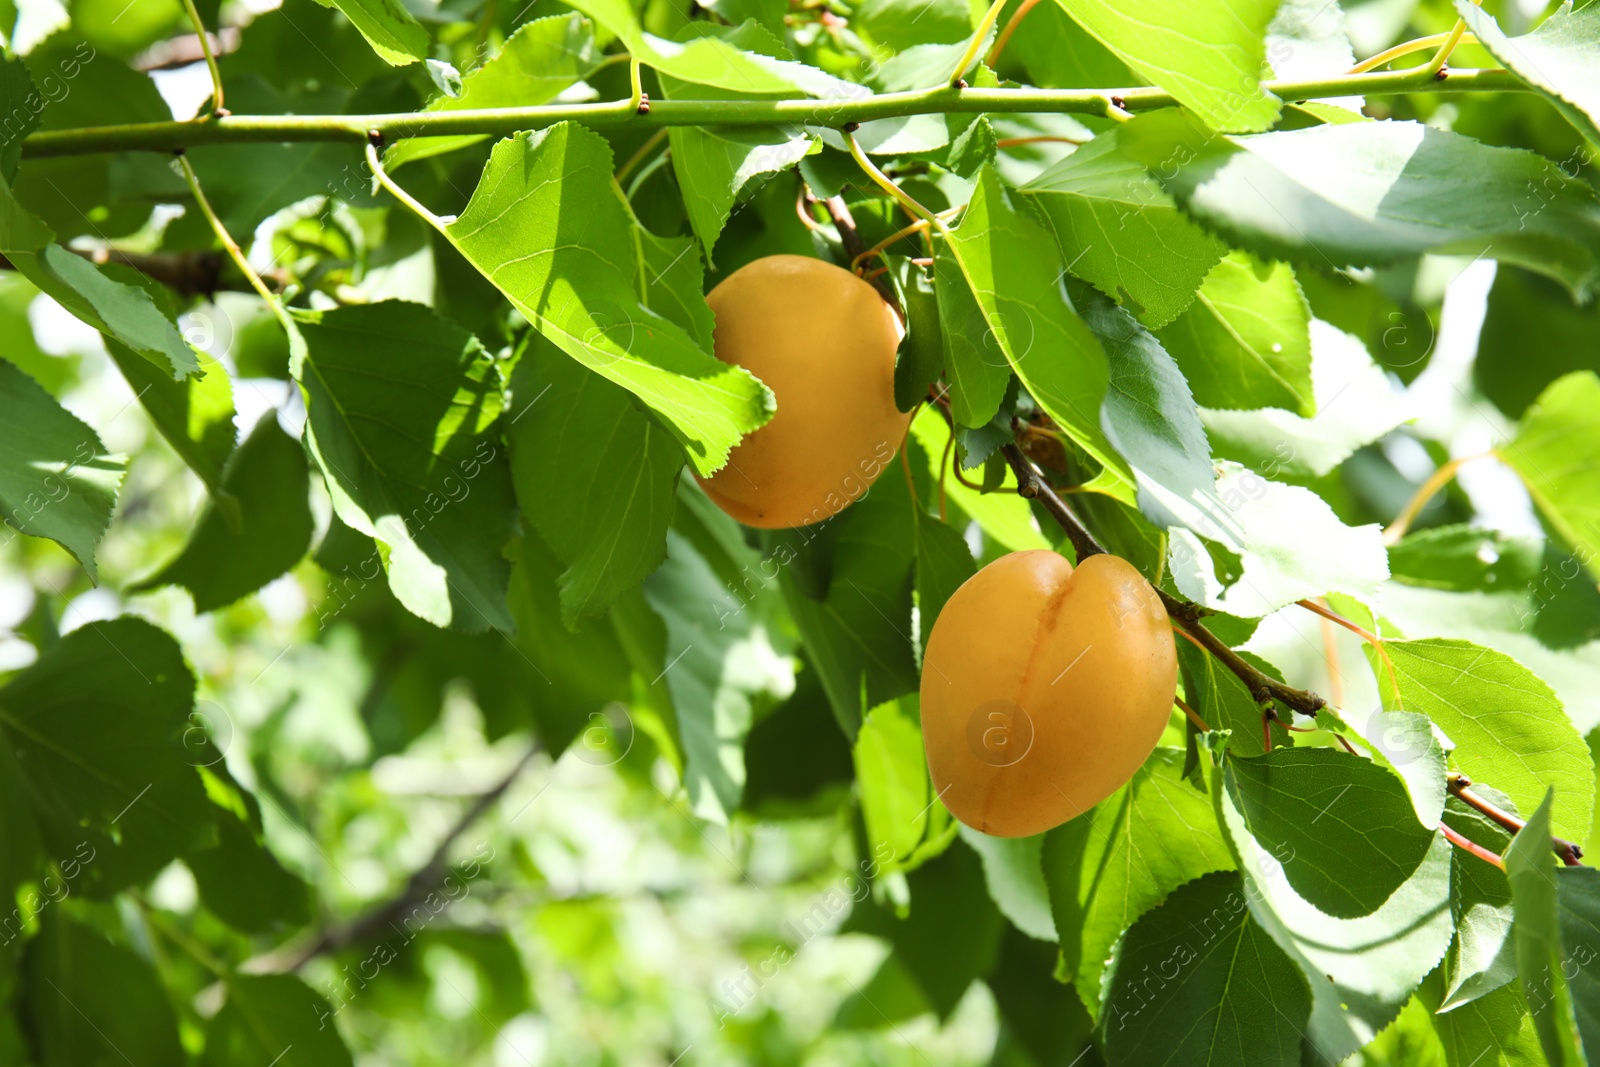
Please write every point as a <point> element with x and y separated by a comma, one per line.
<point>355,129</point>
<point>196,272</point>
<point>1263,687</point>
<point>422,882</point>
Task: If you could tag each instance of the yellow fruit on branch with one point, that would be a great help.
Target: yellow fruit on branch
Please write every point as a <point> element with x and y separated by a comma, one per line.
<point>823,341</point>
<point>1044,687</point>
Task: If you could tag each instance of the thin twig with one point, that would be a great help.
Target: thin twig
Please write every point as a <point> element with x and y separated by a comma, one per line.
<point>650,145</point>
<point>1473,847</point>
<point>232,247</point>
<point>422,882</point>
<point>1458,785</point>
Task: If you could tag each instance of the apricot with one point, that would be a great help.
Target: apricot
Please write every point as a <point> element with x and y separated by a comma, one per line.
<point>1044,688</point>
<point>824,341</point>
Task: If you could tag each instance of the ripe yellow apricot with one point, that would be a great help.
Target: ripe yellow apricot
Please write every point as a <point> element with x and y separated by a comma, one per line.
<point>823,340</point>
<point>1044,688</point>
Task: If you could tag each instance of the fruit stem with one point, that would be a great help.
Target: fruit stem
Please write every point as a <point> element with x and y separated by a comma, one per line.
<point>1194,716</point>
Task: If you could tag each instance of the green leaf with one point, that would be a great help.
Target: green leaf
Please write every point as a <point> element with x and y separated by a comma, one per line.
<point>16,86</point>
<point>1014,270</point>
<point>1578,895</point>
<point>535,65</point>
<point>594,474</point>
<point>714,164</point>
<point>124,313</point>
<point>1508,727</point>
<point>1463,558</point>
<point>906,825</point>
<point>273,1019</point>
<point>1013,868</point>
<point>94,724</point>
<point>195,415</point>
<point>973,360</point>
<point>1341,825</point>
<point>1522,304</point>
<point>1558,59</point>
<point>389,28</point>
<point>1111,866</point>
<point>267,479</point>
<point>1291,543</point>
<point>1206,53</point>
<point>56,479</point>
<point>921,358</point>
<point>951,936</point>
<point>856,623</point>
<point>711,60</point>
<point>244,885</point>
<point>1406,743</point>
<point>1355,404</point>
<point>1222,700</point>
<point>720,664</point>
<point>1483,957</point>
<point>1003,516</point>
<point>1245,342</point>
<point>1493,1031</point>
<point>581,283</point>
<point>1537,930</point>
<point>89,1001</point>
<point>1119,230</point>
<point>570,676</point>
<point>1235,997</point>
<point>401,406</point>
<point>1365,194</point>
<point>1557,453</point>
<point>1361,971</point>
<point>943,562</point>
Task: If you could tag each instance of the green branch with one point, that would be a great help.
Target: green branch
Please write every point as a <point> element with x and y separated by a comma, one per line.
<point>356,129</point>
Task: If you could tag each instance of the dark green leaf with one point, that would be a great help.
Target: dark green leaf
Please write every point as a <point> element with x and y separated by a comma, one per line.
<point>921,359</point>
<point>195,415</point>
<point>90,1002</point>
<point>1511,372</point>
<point>1196,981</point>
<point>273,1020</point>
<point>943,562</point>
<point>1341,825</point>
<point>94,724</point>
<point>1111,866</point>
<point>905,823</point>
<point>594,474</point>
<point>1463,558</point>
<point>267,479</point>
